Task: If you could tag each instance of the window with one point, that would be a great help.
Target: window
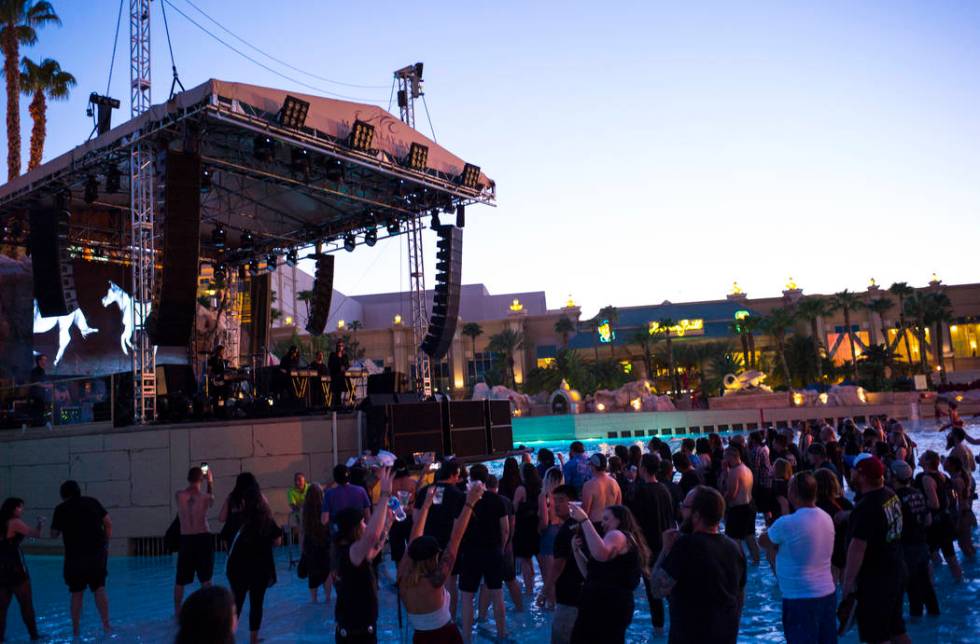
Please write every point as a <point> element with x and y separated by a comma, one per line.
<point>441,381</point>
<point>477,368</point>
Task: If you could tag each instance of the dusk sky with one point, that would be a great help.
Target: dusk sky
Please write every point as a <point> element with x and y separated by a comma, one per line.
<point>642,151</point>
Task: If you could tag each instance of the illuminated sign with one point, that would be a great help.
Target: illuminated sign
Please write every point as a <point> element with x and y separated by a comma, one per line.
<point>606,333</point>
<point>741,315</point>
<point>680,329</point>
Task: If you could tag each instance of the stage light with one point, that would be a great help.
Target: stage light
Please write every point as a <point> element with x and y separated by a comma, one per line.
<point>349,242</point>
<point>271,261</point>
<point>470,177</point>
<point>248,240</point>
<point>263,148</point>
<point>219,236</point>
<point>460,216</point>
<point>435,219</point>
<point>253,266</point>
<point>205,179</point>
<point>418,156</point>
<point>293,112</point>
<point>361,135</point>
<point>113,178</point>
<point>292,257</point>
<point>393,227</point>
<point>371,237</point>
<point>91,189</point>
<point>300,162</point>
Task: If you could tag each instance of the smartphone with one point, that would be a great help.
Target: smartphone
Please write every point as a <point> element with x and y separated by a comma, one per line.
<point>437,495</point>
<point>417,457</point>
<point>204,467</point>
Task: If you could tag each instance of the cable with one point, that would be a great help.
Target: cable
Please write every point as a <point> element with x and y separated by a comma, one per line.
<point>115,43</point>
<point>391,94</point>
<point>279,60</point>
<point>429,119</point>
<point>263,65</point>
<point>173,64</point>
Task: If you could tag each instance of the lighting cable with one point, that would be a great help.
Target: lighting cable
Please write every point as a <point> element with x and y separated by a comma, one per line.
<point>173,64</point>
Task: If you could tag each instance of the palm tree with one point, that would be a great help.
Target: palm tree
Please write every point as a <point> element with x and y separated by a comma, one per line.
<point>354,327</point>
<point>610,313</point>
<point>564,327</point>
<point>472,330</point>
<point>41,82</point>
<point>776,324</point>
<point>505,344</point>
<point>901,290</point>
<point>751,324</point>
<point>738,328</point>
<point>646,341</point>
<point>812,309</point>
<point>916,308</point>
<point>879,306</point>
<point>939,313</point>
<point>845,301</point>
<point>19,20</point>
<point>663,327</point>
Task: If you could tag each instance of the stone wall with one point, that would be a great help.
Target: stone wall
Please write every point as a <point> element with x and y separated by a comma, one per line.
<point>135,471</point>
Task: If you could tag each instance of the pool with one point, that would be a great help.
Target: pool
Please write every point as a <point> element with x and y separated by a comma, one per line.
<point>141,604</point>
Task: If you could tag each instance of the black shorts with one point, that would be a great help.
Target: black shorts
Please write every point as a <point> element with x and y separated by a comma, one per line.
<point>879,611</point>
<point>87,571</point>
<point>481,564</point>
<point>740,521</point>
<point>196,557</point>
<point>510,569</point>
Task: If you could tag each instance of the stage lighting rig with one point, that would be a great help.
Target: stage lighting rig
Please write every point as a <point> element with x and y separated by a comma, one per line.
<point>253,266</point>
<point>206,179</point>
<point>393,227</point>
<point>470,178</point>
<point>300,162</point>
<point>460,215</point>
<point>91,189</point>
<point>248,239</point>
<point>418,156</point>
<point>361,135</point>
<point>292,257</point>
<point>263,148</point>
<point>113,178</point>
<point>371,237</point>
<point>219,236</point>
<point>103,107</point>
<point>350,242</point>
<point>271,262</point>
<point>293,112</point>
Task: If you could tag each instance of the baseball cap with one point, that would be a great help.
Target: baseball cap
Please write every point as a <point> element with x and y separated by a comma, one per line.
<point>902,471</point>
<point>871,467</point>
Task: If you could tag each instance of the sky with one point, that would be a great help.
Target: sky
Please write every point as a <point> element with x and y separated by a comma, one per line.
<point>643,151</point>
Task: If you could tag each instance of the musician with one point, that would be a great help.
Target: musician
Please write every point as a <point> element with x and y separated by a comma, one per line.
<point>337,364</point>
<point>318,365</point>
<point>217,369</point>
<point>291,360</point>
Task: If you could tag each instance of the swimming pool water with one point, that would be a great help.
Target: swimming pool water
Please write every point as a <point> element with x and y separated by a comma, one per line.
<point>141,605</point>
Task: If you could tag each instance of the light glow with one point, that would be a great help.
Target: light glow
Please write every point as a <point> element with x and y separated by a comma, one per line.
<point>636,404</point>
<point>862,395</point>
<point>398,319</point>
<point>516,305</point>
<point>681,328</point>
<point>340,324</point>
<point>600,407</point>
<point>797,399</point>
<point>823,398</point>
<point>791,284</point>
<point>606,333</point>
<point>736,289</point>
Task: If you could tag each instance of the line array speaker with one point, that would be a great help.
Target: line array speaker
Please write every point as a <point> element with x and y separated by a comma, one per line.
<point>54,279</point>
<point>322,294</point>
<point>445,301</point>
<point>260,300</point>
<point>171,319</point>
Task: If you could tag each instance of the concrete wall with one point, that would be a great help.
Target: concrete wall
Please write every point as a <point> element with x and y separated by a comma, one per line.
<point>134,472</point>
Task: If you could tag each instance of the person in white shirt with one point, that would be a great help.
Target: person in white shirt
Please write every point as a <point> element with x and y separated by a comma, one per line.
<point>802,544</point>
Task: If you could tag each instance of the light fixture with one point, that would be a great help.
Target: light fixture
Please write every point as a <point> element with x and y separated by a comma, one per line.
<point>435,219</point>
<point>300,162</point>
<point>636,404</point>
<point>418,156</point>
<point>600,407</point>
<point>91,189</point>
<point>263,148</point>
<point>205,179</point>
<point>292,257</point>
<point>393,227</point>
<point>219,236</point>
<point>293,112</point>
<point>253,266</point>
<point>460,215</point>
<point>350,242</point>
<point>340,324</point>
<point>398,319</point>
<point>371,237</point>
<point>361,135</point>
<point>112,179</point>
<point>271,261</point>
<point>470,176</point>
<point>248,239</point>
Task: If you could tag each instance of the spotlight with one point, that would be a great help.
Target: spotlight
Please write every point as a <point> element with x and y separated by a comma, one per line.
<point>293,112</point>
<point>292,257</point>
<point>418,156</point>
<point>205,179</point>
<point>435,219</point>
<point>470,177</point>
<point>271,261</point>
<point>361,135</point>
<point>263,148</point>
<point>371,237</point>
<point>460,216</point>
<point>248,240</point>
<point>393,227</point>
<point>91,189</point>
<point>112,179</point>
<point>300,162</point>
<point>350,242</point>
<point>253,266</point>
<point>218,236</point>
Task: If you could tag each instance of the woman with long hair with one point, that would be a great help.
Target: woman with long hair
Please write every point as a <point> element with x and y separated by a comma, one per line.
<point>356,544</point>
<point>782,472</point>
<point>316,545</point>
<point>251,566</point>
<point>510,478</point>
<point>612,569</point>
<point>546,461</point>
<point>208,617</point>
<point>230,514</point>
<point>831,499</point>
<point>548,525</point>
<point>15,581</point>
<point>423,573</point>
<point>527,539</point>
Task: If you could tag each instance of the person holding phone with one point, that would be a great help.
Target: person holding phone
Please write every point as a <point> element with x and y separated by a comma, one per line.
<point>196,554</point>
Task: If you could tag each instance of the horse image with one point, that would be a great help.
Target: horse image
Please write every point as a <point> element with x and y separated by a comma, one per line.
<point>116,295</point>
<point>64,323</point>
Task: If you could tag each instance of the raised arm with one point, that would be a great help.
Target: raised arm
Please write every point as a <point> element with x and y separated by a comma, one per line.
<point>602,548</point>
<point>421,515</point>
<point>370,542</point>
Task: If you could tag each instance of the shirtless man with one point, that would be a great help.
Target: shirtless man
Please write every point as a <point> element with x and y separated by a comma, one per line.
<point>601,490</point>
<point>740,514</point>
<point>196,556</point>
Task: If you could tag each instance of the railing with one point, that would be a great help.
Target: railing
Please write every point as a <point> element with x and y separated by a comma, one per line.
<point>57,403</point>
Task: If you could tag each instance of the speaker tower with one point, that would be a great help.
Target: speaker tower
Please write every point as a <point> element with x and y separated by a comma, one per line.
<point>54,280</point>
<point>322,294</point>
<point>445,300</point>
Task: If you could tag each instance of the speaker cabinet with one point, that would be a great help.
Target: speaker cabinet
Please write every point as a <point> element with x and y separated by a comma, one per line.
<point>415,427</point>
<point>501,429</point>
<point>322,294</point>
<point>466,422</point>
<point>446,295</point>
<point>54,280</point>
<point>260,302</point>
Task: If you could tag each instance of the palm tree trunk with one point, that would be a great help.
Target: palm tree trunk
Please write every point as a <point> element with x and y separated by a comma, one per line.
<point>905,335</point>
<point>850,342</point>
<point>670,364</point>
<point>815,332</point>
<point>745,349</point>
<point>38,110</point>
<point>752,362</point>
<point>781,348</point>
<point>937,345</point>
<point>923,358</point>
<point>11,60</point>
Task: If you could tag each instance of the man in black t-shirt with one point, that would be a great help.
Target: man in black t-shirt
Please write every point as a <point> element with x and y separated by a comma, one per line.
<point>875,568</point>
<point>481,555</point>
<point>85,527</point>
<point>565,573</point>
<point>703,573</point>
<point>653,507</point>
<point>915,548</point>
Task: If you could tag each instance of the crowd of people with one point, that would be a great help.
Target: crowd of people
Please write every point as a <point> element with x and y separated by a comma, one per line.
<point>576,535</point>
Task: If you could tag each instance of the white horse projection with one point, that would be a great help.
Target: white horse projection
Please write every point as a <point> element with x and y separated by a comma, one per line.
<point>116,295</point>
<point>64,324</point>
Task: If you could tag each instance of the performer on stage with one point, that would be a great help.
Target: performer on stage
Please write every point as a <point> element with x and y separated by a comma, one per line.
<point>338,363</point>
<point>317,393</point>
<point>318,365</point>
<point>217,369</point>
<point>291,359</point>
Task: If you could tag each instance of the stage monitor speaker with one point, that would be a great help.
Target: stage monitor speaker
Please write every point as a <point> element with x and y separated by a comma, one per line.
<point>176,379</point>
<point>415,427</point>
<point>466,422</point>
<point>54,280</point>
<point>501,429</point>
<point>322,294</point>
<point>445,299</point>
<point>171,319</point>
<point>260,301</point>
<point>387,382</point>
